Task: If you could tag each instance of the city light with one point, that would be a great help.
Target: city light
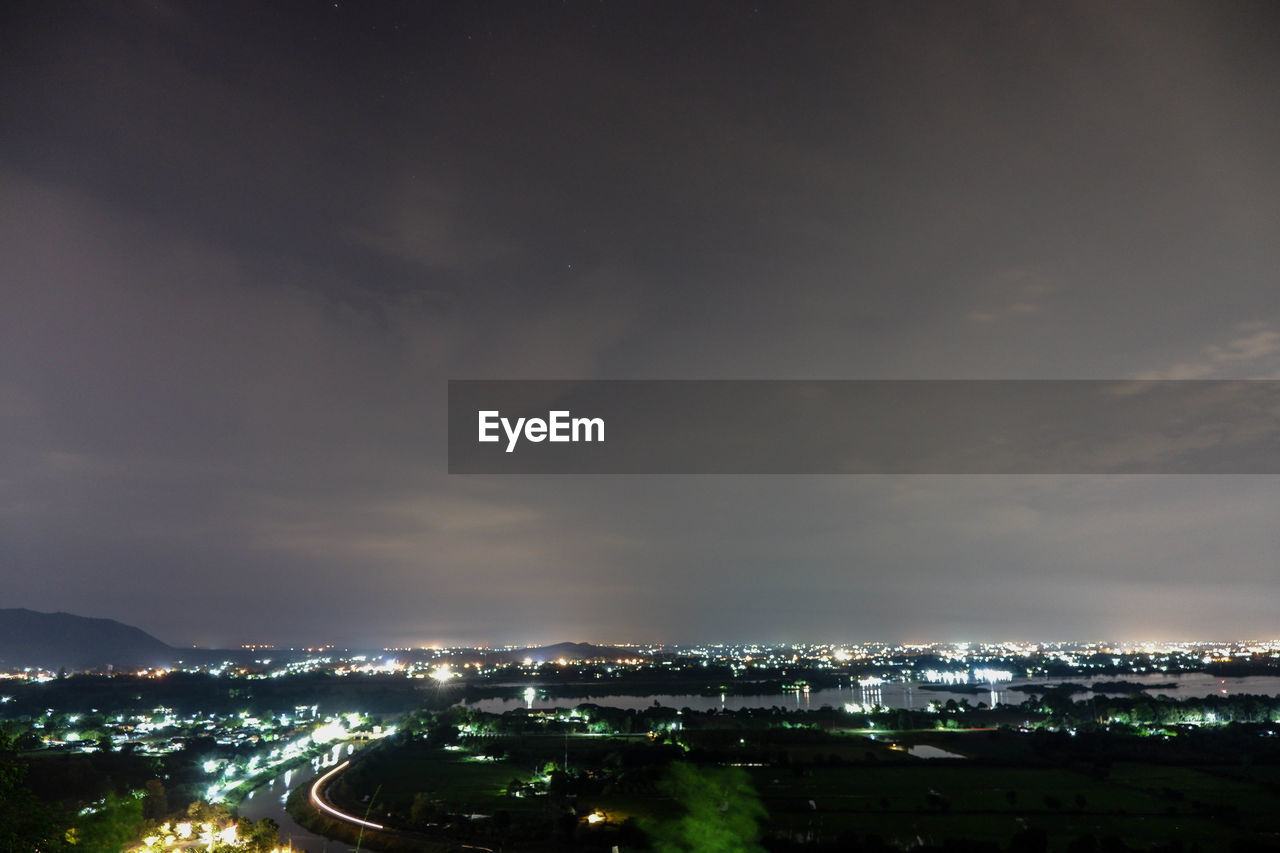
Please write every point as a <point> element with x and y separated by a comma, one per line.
<point>992,675</point>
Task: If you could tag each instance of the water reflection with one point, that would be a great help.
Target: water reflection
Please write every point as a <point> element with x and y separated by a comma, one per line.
<point>268,799</point>
<point>869,692</point>
<point>799,691</point>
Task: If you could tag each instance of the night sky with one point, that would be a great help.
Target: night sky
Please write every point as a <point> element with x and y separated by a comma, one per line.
<point>246,245</point>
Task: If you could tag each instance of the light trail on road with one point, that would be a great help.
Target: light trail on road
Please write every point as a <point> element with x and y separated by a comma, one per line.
<point>322,805</point>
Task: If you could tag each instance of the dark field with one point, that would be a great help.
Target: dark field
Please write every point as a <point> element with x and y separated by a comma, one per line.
<point>829,790</point>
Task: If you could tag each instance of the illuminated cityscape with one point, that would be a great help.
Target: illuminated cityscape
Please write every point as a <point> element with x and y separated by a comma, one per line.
<point>659,426</point>
<point>915,700</point>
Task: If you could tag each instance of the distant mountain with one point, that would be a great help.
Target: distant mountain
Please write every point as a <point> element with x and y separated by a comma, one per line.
<point>54,640</point>
<point>568,651</point>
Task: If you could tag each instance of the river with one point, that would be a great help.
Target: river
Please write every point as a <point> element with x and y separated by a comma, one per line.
<point>267,800</point>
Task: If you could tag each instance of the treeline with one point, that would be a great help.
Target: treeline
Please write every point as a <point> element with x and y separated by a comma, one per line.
<point>449,725</point>
<point>100,803</point>
<point>198,693</point>
<point>55,821</point>
<point>1145,710</point>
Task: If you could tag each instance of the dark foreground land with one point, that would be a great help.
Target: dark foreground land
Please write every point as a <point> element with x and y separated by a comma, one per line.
<point>97,763</point>
<point>817,781</point>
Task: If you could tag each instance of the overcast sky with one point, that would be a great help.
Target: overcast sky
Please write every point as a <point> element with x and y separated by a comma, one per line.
<point>246,245</point>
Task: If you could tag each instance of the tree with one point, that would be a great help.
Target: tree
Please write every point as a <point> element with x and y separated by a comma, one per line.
<point>215,813</point>
<point>424,810</point>
<point>110,826</point>
<point>155,804</point>
<point>722,811</point>
<point>27,741</point>
<point>260,837</point>
<point>27,825</point>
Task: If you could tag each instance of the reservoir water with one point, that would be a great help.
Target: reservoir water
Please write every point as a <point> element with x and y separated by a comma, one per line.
<point>891,694</point>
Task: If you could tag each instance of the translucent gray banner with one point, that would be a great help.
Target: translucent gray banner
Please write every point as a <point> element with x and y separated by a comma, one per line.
<point>864,427</point>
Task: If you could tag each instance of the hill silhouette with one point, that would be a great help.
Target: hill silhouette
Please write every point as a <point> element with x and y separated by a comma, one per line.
<point>54,640</point>
<point>568,651</point>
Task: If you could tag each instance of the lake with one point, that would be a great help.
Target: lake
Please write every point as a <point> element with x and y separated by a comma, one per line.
<point>890,694</point>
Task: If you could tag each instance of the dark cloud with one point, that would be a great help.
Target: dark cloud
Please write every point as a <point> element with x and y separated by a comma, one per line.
<point>246,246</point>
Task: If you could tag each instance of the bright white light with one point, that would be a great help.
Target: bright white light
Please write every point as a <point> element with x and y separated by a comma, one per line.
<point>328,732</point>
<point>933,676</point>
<point>992,675</point>
<point>442,673</point>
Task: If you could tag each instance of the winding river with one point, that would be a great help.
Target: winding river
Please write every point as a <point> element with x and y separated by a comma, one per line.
<point>267,800</point>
